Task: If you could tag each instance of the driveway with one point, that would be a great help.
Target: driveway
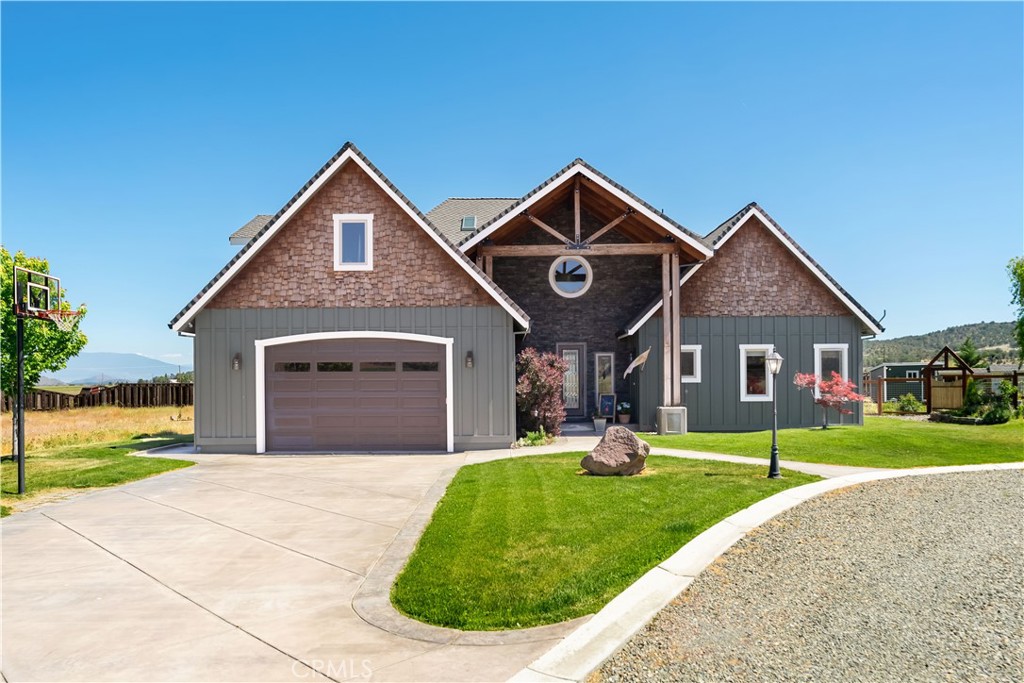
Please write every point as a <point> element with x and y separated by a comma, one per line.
<point>241,568</point>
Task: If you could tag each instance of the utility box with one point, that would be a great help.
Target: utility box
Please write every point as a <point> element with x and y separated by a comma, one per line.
<point>671,419</point>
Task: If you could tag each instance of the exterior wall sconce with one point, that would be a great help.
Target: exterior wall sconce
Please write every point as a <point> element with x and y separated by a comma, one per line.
<point>469,359</point>
<point>236,362</point>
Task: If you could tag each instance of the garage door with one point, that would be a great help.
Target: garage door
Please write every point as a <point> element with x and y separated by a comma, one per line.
<point>356,394</point>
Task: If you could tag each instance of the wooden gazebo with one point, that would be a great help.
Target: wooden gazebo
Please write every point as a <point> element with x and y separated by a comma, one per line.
<point>946,359</point>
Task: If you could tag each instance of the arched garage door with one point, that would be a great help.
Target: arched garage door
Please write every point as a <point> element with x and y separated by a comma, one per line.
<point>355,394</point>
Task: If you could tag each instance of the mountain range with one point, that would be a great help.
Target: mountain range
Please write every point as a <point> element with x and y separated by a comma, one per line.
<point>103,368</point>
<point>994,341</point>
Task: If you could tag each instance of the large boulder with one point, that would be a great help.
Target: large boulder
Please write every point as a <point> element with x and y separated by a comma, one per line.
<point>619,453</point>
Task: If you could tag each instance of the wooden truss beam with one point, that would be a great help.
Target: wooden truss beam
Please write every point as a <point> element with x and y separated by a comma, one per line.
<point>652,249</point>
<point>602,231</point>
<point>547,228</point>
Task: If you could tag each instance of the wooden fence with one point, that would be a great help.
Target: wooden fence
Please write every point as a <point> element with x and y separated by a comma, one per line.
<point>141,395</point>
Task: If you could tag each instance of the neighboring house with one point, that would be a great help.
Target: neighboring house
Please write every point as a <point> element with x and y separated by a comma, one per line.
<point>893,390</point>
<point>352,321</point>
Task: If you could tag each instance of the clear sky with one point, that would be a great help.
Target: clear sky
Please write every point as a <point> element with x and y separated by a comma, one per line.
<point>885,138</point>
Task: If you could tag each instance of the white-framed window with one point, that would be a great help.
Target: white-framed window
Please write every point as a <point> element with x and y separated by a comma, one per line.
<point>689,363</point>
<point>570,276</point>
<point>604,374</point>
<point>353,241</point>
<point>913,374</point>
<point>829,358</point>
<point>468,223</point>
<point>755,380</point>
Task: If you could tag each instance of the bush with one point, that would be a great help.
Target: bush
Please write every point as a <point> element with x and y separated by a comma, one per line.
<point>538,438</point>
<point>997,414</point>
<point>908,403</point>
<point>539,403</point>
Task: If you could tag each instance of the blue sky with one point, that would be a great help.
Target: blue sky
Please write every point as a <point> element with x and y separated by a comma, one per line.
<point>885,138</point>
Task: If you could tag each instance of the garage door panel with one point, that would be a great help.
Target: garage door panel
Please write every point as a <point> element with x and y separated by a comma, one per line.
<point>356,394</point>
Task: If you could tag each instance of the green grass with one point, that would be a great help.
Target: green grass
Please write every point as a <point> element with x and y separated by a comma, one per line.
<point>86,466</point>
<point>528,541</point>
<point>881,442</point>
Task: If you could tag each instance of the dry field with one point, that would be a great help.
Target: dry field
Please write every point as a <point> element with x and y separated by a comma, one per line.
<point>52,429</point>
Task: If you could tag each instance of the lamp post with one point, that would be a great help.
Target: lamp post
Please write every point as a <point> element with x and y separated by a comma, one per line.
<point>774,363</point>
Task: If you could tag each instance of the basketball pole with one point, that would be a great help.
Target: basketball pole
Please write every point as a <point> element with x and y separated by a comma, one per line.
<point>19,411</point>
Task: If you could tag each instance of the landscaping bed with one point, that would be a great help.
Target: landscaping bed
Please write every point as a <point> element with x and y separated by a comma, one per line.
<point>528,541</point>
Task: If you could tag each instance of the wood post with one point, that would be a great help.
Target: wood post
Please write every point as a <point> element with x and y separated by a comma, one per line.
<point>666,328</point>
<point>489,266</point>
<point>677,379</point>
<point>576,207</point>
<point>880,394</point>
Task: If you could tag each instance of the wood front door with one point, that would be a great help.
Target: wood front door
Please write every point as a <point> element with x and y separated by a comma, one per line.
<point>574,384</point>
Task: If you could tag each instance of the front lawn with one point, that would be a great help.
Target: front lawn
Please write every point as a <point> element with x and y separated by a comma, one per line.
<point>529,541</point>
<point>81,467</point>
<point>881,442</point>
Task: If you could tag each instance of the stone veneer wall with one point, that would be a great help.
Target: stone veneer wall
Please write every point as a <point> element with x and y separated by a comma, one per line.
<point>755,275</point>
<point>296,269</point>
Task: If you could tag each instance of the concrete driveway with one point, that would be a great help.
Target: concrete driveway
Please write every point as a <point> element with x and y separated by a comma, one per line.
<point>241,568</point>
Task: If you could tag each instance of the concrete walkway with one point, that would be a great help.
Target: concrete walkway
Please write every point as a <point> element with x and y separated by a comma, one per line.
<point>249,568</point>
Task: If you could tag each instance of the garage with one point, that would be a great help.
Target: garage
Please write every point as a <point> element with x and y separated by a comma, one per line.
<point>356,394</point>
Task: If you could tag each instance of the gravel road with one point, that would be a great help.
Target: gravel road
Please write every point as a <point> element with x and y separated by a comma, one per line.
<point>911,579</point>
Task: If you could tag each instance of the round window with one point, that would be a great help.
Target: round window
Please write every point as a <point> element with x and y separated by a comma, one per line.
<point>570,276</point>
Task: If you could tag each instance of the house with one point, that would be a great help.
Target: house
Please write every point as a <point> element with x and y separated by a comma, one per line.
<point>350,320</point>
<point>892,390</point>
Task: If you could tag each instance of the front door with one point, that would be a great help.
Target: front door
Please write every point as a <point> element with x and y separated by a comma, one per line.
<point>574,384</point>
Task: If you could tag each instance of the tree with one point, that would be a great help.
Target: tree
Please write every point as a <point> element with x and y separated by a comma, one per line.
<point>833,393</point>
<point>539,400</point>
<point>47,349</point>
<point>969,353</point>
<point>1015,268</point>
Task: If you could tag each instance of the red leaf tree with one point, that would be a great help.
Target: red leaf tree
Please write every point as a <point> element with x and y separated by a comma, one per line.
<point>539,401</point>
<point>832,393</point>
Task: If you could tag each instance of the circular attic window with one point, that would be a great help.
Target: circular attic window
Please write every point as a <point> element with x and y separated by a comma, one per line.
<point>570,276</point>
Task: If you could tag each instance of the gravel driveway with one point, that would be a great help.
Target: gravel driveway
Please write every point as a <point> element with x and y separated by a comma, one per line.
<point>911,579</point>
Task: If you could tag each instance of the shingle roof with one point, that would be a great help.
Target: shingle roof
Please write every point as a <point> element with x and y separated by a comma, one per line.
<point>247,231</point>
<point>350,148</point>
<point>447,216</point>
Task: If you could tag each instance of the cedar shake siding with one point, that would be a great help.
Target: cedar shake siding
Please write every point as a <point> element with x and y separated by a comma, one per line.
<point>296,269</point>
<point>753,274</point>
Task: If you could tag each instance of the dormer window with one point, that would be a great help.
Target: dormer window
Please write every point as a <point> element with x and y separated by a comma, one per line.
<point>469,223</point>
<point>353,241</point>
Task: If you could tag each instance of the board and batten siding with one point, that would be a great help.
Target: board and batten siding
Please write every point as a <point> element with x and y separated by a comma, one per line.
<point>225,414</point>
<point>714,404</point>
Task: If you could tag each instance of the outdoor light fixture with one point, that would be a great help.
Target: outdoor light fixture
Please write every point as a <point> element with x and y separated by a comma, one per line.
<point>469,359</point>
<point>773,361</point>
<point>236,362</point>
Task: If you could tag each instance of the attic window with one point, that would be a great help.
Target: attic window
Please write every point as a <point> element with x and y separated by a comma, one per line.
<point>469,223</point>
<point>353,241</point>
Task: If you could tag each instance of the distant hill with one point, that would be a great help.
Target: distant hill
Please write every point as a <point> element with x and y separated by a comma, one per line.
<point>104,368</point>
<point>992,339</point>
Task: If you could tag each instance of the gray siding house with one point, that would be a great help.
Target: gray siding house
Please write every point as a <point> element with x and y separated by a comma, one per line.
<point>351,321</point>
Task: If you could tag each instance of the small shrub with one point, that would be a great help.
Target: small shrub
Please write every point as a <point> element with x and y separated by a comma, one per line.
<point>538,438</point>
<point>997,414</point>
<point>973,400</point>
<point>908,403</point>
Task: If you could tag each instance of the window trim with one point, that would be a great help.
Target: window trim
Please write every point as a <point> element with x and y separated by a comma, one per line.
<point>770,385</point>
<point>554,285</point>
<point>695,377</point>
<point>367,220</point>
<point>844,369</point>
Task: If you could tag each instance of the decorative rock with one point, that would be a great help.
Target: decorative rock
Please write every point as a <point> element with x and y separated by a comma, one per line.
<point>620,452</point>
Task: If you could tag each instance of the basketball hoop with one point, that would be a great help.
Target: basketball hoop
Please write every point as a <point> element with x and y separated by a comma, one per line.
<point>64,320</point>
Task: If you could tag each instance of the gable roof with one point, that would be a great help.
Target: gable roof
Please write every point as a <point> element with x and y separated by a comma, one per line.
<point>447,216</point>
<point>720,235</point>
<point>603,181</point>
<point>348,153</point>
<point>246,232</point>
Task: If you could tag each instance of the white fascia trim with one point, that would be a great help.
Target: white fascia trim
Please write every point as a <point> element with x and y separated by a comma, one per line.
<point>346,156</point>
<point>631,202</point>
<point>844,365</point>
<point>261,377</point>
<point>803,259</point>
<point>657,307</point>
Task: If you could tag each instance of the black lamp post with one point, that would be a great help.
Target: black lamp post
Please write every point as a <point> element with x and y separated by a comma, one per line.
<point>774,363</point>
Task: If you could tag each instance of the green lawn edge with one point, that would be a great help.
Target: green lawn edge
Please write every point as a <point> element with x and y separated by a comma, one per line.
<point>88,466</point>
<point>528,541</point>
<point>881,442</point>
